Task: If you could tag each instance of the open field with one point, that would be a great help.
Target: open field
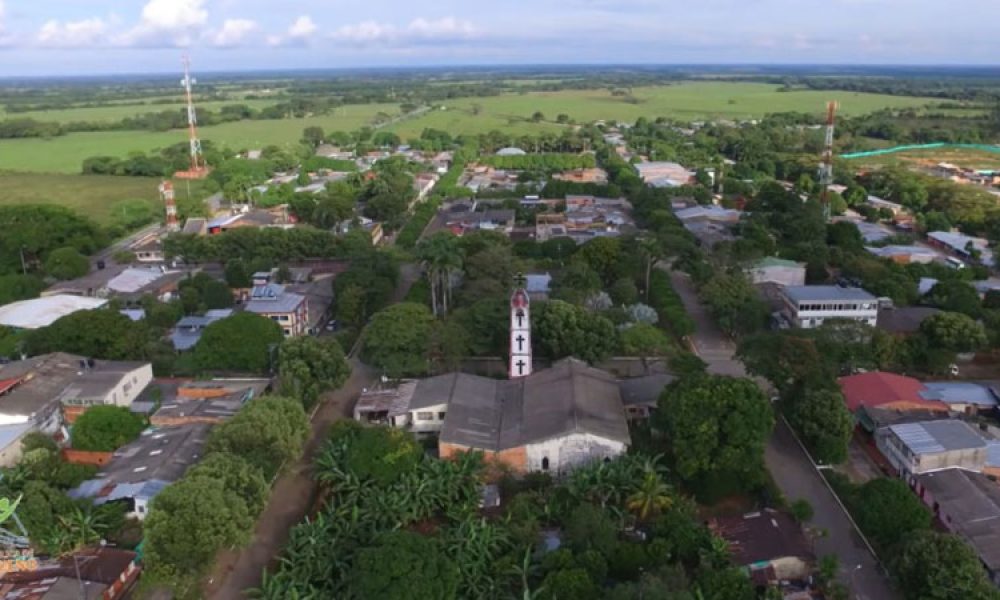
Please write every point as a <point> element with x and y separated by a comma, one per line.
<point>105,199</point>
<point>963,157</point>
<point>121,111</point>
<point>697,100</point>
<point>64,154</point>
<point>507,113</point>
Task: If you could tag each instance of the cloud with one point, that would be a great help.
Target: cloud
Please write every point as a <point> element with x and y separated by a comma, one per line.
<point>72,34</point>
<point>299,33</point>
<point>166,23</point>
<point>233,33</point>
<point>418,30</point>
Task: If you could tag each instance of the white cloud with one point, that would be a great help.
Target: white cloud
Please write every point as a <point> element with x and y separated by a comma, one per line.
<point>72,34</point>
<point>299,33</point>
<point>233,33</point>
<point>167,23</point>
<point>418,30</point>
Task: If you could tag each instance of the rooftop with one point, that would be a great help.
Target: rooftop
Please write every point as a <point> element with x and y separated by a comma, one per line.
<point>821,293</point>
<point>906,319</point>
<point>510,151</point>
<point>538,283</point>
<point>934,437</point>
<point>960,392</point>
<point>42,312</point>
<point>643,390</point>
<point>774,261</point>
<point>763,536</point>
<point>272,298</point>
<point>971,501</point>
<point>879,388</point>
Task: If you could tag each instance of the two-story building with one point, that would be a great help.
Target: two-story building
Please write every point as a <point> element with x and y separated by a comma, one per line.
<point>287,309</point>
<point>809,306</point>
<point>915,448</point>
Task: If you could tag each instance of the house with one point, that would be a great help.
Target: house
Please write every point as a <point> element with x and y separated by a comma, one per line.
<point>551,420</point>
<point>538,286</point>
<point>500,220</point>
<point>423,183</point>
<point>905,255</point>
<point>879,389</point>
<point>664,174</point>
<point>904,320</point>
<point>914,448</point>
<point>188,330</point>
<point>965,246</point>
<point>276,217</point>
<point>40,389</point>
<point>808,306</point>
<point>968,505</point>
<point>212,401</point>
<point>142,468</point>
<point>134,283</point>
<point>319,300</point>
<point>101,573</point>
<point>510,151</point>
<point>330,151</point>
<point>778,271</point>
<point>769,544</point>
<point>148,248</point>
<point>42,312</point>
<point>879,204</point>
<point>287,309</point>
<point>641,395</point>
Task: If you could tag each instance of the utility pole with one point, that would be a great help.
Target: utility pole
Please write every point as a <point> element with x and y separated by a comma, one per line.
<point>24,266</point>
<point>826,166</point>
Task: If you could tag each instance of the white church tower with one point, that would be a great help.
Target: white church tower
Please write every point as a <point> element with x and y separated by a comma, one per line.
<point>520,334</point>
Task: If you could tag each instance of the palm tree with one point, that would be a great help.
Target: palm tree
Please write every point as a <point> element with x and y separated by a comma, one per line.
<point>441,256</point>
<point>652,252</point>
<point>651,498</point>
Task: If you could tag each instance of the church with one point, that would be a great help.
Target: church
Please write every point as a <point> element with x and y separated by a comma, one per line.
<point>550,420</point>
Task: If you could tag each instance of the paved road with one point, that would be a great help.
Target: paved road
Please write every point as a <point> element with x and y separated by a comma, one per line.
<point>790,466</point>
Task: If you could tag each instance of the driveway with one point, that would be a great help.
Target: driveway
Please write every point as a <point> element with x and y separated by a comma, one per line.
<point>790,466</point>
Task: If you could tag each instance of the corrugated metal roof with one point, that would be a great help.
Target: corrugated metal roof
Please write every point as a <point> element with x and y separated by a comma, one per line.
<point>933,437</point>
<point>819,293</point>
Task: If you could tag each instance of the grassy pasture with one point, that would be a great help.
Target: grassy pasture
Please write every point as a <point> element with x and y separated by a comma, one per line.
<point>963,157</point>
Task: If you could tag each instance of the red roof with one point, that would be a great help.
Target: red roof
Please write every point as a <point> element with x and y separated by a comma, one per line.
<point>879,388</point>
<point>6,384</point>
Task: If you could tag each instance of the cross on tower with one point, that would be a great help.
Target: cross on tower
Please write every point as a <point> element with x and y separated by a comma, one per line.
<point>520,342</point>
<point>520,318</point>
<point>520,367</point>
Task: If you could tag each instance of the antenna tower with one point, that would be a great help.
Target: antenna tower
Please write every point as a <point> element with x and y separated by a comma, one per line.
<point>198,169</point>
<point>167,193</point>
<point>826,166</point>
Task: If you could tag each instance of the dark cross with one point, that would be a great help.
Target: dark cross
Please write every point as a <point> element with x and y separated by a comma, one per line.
<point>520,367</point>
<point>520,318</point>
<point>520,341</point>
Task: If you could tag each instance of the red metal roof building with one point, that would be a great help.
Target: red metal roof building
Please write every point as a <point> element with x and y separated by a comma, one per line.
<point>886,390</point>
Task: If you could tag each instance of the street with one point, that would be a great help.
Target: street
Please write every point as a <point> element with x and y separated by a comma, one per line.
<point>790,466</point>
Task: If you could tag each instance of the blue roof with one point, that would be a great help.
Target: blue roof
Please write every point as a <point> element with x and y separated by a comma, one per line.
<point>959,392</point>
<point>538,283</point>
<point>933,437</point>
<point>993,453</point>
<point>821,293</point>
<point>10,434</point>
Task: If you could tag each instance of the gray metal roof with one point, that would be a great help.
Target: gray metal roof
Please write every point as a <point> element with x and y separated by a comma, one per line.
<point>972,503</point>
<point>933,437</point>
<point>820,293</point>
<point>644,390</point>
<point>280,302</point>
<point>499,414</point>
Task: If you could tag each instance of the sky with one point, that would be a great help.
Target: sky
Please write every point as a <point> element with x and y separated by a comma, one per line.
<point>84,37</point>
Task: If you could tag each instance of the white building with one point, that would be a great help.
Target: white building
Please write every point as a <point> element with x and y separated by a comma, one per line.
<point>808,306</point>
<point>878,203</point>
<point>915,448</point>
<point>42,312</point>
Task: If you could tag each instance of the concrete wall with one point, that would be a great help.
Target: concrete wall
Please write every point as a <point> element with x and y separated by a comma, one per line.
<point>779,275</point>
<point>791,567</point>
<point>906,463</point>
<point>130,386</point>
<point>432,425</point>
<point>571,451</point>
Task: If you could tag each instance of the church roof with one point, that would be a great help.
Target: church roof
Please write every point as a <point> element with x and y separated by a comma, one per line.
<point>490,414</point>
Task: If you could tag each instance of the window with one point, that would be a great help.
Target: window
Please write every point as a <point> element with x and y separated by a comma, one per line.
<point>140,509</point>
<point>545,463</point>
<point>425,416</point>
<point>441,416</point>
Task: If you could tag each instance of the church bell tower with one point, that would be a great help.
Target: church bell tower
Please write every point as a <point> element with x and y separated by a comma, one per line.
<point>520,334</point>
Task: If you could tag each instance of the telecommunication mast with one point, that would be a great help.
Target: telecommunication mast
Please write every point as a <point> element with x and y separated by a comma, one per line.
<point>826,166</point>
<point>198,168</point>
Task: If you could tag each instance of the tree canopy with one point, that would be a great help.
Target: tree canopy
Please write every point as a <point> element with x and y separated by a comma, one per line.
<point>937,565</point>
<point>309,366</point>
<point>101,333</point>
<point>563,329</point>
<point>106,428</point>
<point>403,565</point>
<point>266,432</point>
<point>396,339</point>
<point>242,343</point>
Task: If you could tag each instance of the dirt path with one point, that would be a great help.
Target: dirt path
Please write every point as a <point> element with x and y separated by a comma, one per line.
<point>292,495</point>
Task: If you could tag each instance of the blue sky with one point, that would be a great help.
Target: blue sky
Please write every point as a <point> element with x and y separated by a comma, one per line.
<point>44,37</point>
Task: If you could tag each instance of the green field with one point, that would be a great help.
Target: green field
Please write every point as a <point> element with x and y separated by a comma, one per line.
<point>508,113</point>
<point>963,157</point>
<point>64,154</point>
<point>120,111</point>
<point>96,196</point>
<point>698,100</point>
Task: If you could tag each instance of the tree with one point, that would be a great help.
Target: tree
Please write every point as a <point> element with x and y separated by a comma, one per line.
<point>66,263</point>
<point>396,339</point>
<point>569,583</point>
<point>240,478</point>
<point>237,274</point>
<point>197,504</point>
<point>380,454</point>
<point>242,343</point>
<point>889,513</point>
<point>313,136</point>
<point>106,428</point>
<point>734,303</point>
<point>954,332</point>
<point>404,566</point>
<point>589,527</point>
<point>267,432</point>
<point>624,291</point>
<point>715,426</point>
<point>932,565</point>
<point>101,333</point>
<point>441,255</point>
<point>537,116</point>
<point>823,422</point>
<point>563,329</point>
<point>603,255</point>
<point>956,296</point>
<point>645,340</point>
<point>309,366</point>
<point>783,359</point>
<point>651,498</point>
<point>19,287</point>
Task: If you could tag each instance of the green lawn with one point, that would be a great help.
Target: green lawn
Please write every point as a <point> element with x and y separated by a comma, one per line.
<point>96,196</point>
<point>64,154</point>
